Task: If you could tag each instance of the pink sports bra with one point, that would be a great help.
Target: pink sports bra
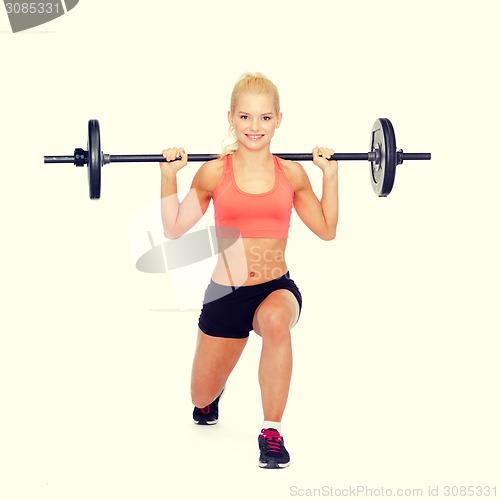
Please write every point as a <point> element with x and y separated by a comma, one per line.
<point>262,215</point>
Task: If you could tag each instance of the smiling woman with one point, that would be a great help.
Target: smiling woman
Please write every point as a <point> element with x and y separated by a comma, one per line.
<point>258,85</point>
<point>253,193</point>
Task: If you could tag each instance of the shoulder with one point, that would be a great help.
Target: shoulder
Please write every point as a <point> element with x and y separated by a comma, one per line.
<point>208,175</point>
<point>211,168</point>
<point>295,173</point>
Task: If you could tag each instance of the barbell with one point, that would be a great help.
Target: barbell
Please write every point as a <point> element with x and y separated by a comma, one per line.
<point>382,157</point>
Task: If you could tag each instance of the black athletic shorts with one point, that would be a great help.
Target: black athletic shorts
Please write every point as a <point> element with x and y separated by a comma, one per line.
<point>228,311</point>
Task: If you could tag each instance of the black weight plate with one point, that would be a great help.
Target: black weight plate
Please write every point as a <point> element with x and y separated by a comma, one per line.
<point>94,163</point>
<point>382,175</point>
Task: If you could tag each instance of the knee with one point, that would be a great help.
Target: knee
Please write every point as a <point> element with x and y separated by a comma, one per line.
<point>274,324</point>
<point>202,398</point>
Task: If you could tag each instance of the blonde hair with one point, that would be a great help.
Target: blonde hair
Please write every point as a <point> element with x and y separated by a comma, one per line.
<point>253,83</point>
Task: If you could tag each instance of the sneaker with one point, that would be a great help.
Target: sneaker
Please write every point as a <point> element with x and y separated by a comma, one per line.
<point>273,454</point>
<point>209,414</point>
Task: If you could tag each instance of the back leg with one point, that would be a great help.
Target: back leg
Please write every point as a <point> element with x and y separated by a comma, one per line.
<point>214,360</point>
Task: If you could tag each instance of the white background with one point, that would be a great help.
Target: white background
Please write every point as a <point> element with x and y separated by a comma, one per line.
<point>396,354</point>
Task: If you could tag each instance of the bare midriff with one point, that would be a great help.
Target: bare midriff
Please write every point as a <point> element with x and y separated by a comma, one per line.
<point>249,261</point>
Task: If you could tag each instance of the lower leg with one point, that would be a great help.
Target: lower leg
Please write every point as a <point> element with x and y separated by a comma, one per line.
<point>275,372</point>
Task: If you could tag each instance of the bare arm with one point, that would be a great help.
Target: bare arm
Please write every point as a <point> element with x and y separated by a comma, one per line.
<point>320,216</point>
<point>180,217</point>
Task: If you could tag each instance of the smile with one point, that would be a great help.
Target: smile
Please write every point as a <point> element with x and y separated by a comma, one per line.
<point>254,137</point>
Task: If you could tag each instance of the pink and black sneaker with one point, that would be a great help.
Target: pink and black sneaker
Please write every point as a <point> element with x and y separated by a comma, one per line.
<point>273,454</point>
<point>209,414</point>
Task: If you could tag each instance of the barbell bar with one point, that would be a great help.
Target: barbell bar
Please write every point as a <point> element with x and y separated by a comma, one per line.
<point>382,157</point>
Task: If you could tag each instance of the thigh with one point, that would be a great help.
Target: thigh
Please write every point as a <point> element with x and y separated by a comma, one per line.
<point>214,360</point>
<point>280,309</point>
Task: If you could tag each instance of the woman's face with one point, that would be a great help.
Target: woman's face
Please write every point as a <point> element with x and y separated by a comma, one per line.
<point>254,120</point>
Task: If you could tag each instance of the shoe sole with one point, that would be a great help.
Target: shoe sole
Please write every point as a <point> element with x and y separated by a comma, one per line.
<point>201,422</point>
<point>272,464</point>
